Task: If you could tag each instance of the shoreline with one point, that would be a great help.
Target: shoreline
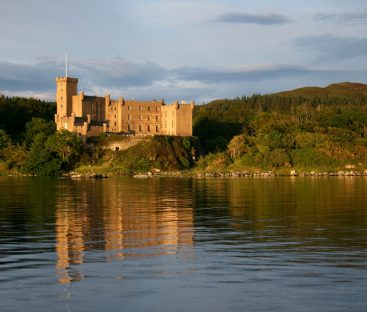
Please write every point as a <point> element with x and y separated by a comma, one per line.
<point>193,174</point>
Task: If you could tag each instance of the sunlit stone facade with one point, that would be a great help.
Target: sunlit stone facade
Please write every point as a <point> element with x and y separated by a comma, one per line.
<point>92,115</point>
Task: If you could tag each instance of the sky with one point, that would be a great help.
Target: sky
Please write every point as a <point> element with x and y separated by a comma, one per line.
<point>181,49</point>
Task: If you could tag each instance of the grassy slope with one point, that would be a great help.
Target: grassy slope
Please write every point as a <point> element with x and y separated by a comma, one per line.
<point>159,153</point>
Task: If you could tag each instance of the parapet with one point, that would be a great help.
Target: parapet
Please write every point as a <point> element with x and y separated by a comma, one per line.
<point>66,79</point>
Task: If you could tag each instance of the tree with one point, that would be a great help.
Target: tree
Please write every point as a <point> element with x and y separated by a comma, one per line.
<point>40,160</point>
<point>38,125</point>
<point>4,140</point>
<point>67,146</point>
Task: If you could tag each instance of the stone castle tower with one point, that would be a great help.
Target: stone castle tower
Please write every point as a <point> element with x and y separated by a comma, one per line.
<point>92,115</point>
<point>66,87</point>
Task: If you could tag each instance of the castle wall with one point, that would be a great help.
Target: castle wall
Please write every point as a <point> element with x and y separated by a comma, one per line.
<point>169,119</point>
<point>77,104</point>
<point>64,123</point>
<point>92,115</point>
<point>95,107</point>
<point>114,116</point>
<point>141,117</point>
<point>184,119</point>
<point>94,131</point>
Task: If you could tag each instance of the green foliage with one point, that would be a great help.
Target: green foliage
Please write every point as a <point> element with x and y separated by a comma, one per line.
<point>159,152</point>
<point>5,140</point>
<point>32,145</point>
<point>40,160</point>
<point>214,162</point>
<point>308,128</point>
<point>311,158</point>
<point>67,146</point>
<point>15,112</point>
<point>53,154</point>
<point>38,125</point>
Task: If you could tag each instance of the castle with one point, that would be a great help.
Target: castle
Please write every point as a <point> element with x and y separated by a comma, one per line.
<point>93,115</point>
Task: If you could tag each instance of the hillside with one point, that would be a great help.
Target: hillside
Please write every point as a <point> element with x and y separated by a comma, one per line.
<point>307,129</point>
<point>349,89</point>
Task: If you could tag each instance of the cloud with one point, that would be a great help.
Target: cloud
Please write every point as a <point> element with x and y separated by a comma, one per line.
<point>245,18</point>
<point>120,77</point>
<point>118,72</point>
<point>330,47</point>
<point>343,18</point>
<point>35,77</point>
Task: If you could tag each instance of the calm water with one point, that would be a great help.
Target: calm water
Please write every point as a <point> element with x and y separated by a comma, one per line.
<point>123,244</point>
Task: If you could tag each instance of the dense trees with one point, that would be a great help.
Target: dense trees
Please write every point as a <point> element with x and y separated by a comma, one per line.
<point>305,131</point>
<point>15,112</point>
<point>29,142</point>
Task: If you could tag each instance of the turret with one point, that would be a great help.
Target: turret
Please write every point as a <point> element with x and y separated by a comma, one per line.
<point>66,87</point>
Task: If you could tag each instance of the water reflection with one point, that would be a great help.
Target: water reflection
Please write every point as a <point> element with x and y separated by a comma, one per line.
<point>136,219</point>
<point>310,219</point>
<point>157,244</point>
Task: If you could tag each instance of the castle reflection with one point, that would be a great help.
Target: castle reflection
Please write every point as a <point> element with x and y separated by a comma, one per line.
<point>135,219</point>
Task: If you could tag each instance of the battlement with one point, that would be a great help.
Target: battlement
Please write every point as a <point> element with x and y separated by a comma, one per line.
<point>66,79</point>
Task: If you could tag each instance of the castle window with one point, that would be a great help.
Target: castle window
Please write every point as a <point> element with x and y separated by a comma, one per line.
<point>156,128</point>
<point>148,117</point>
<point>165,125</point>
<point>140,128</point>
<point>139,107</point>
<point>129,107</point>
<point>157,109</point>
<point>148,108</point>
<point>129,117</point>
<point>115,123</point>
<point>128,127</point>
<point>156,118</point>
<point>148,128</point>
<point>165,113</point>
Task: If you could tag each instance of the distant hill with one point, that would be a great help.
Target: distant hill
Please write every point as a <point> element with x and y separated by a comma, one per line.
<point>351,89</point>
<point>217,122</point>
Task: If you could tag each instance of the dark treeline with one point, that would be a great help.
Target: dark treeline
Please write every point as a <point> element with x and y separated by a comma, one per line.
<point>15,112</point>
<point>239,109</point>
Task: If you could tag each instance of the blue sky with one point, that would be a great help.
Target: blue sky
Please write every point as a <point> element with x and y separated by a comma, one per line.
<point>181,49</point>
